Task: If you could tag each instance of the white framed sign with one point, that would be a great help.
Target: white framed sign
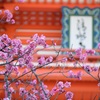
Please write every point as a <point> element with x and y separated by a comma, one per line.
<point>81,27</point>
<point>81,32</point>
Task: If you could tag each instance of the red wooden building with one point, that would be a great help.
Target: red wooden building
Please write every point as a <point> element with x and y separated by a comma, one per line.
<point>44,17</point>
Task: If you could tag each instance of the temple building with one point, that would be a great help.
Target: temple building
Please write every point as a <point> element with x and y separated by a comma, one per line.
<point>67,25</point>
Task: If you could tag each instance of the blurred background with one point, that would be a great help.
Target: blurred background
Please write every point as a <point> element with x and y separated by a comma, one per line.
<point>56,19</point>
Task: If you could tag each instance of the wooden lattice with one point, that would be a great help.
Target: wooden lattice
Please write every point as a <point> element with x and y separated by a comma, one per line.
<point>38,18</point>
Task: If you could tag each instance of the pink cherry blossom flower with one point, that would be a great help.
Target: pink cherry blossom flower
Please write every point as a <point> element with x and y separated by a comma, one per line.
<point>9,15</point>
<point>16,8</point>
<point>69,95</point>
<point>46,91</point>
<point>6,12</point>
<point>11,90</point>
<point>16,43</point>
<point>16,69</point>
<point>44,86</point>
<point>34,82</point>
<point>18,82</point>
<point>32,45</point>
<point>60,85</point>
<point>70,54</point>
<point>70,74</point>
<point>53,91</point>
<point>22,91</point>
<point>35,37</point>
<point>31,66</point>
<point>87,68</point>
<point>6,99</point>
<point>78,51</point>
<point>30,96</point>
<point>67,84</point>
<point>21,61</point>
<point>49,59</point>
<point>3,55</point>
<point>90,52</point>
<point>12,21</point>
<point>42,37</point>
<point>42,61</point>
<point>83,57</point>
<point>2,72</point>
<point>79,75</point>
<point>95,68</point>
<point>8,20</point>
